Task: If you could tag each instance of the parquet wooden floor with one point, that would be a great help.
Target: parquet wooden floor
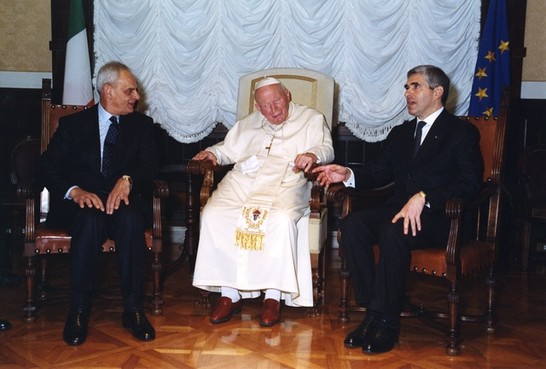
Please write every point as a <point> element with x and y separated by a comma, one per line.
<point>186,339</point>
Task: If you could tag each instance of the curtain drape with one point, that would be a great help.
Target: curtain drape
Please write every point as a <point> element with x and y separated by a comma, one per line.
<point>189,54</point>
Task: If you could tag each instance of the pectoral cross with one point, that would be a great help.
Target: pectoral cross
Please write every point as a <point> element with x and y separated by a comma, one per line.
<point>268,148</point>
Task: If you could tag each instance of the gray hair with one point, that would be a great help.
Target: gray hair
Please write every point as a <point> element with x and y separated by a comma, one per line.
<point>434,76</point>
<point>109,74</point>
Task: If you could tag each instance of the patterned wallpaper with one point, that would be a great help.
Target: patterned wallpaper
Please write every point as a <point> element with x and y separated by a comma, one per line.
<point>26,31</point>
<point>25,26</point>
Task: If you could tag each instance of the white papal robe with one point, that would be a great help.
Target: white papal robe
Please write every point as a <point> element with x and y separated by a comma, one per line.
<point>284,262</point>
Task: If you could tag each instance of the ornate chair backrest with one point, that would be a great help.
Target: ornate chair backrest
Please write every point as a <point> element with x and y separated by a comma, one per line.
<point>492,142</point>
<point>24,158</point>
<point>492,139</point>
<point>489,128</point>
<point>308,87</point>
<point>51,114</point>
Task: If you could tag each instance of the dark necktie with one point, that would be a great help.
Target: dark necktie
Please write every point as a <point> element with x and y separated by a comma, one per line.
<point>109,145</point>
<point>418,133</point>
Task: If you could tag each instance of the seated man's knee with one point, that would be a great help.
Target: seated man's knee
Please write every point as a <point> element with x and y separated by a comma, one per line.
<point>131,216</point>
<point>89,216</point>
<point>88,221</point>
<point>393,239</point>
<point>392,230</point>
<point>353,222</point>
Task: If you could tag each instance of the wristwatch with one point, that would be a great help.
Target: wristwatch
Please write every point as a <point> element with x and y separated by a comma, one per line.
<point>128,179</point>
<point>424,195</point>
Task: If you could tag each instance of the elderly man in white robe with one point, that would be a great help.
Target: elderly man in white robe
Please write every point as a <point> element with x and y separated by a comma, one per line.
<point>249,241</point>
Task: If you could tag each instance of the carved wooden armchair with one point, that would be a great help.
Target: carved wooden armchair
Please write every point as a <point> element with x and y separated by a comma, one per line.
<point>23,159</point>
<point>41,242</point>
<point>308,88</point>
<point>456,259</point>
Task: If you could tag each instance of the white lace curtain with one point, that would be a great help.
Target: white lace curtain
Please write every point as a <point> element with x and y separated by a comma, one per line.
<point>189,54</point>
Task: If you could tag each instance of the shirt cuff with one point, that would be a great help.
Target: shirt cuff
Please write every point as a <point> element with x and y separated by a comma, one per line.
<point>351,181</point>
<point>66,195</point>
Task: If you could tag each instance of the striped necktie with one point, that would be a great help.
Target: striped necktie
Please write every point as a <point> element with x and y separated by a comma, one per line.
<point>109,145</point>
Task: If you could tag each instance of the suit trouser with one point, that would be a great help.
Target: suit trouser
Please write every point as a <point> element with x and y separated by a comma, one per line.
<point>382,289</point>
<point>90,229</point>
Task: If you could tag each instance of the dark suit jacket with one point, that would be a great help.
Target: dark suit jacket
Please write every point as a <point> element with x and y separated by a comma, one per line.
<point>448,164</point>
<point>73,158</point>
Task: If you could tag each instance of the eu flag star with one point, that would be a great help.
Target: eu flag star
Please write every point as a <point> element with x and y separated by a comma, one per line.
<point>490,56</point>
<point>481,73</point>
<point>482,93</point>
<point>504,46</point>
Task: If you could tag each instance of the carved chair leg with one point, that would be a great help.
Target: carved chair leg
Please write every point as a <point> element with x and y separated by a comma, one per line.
<point>490,316</point>
<point>42,283</point>
<point>317,283</point>
<point>343,308</point>
<point>29,309</point>
<point>157,298</point>
<point>322,276</point>
<point>453,334</point>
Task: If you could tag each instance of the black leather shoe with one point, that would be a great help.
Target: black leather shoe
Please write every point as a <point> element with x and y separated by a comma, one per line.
<point>75,328</point>
<point>139,325</point>
<point>4,325</point>
<point>358,337</point>
<point>382,339</point>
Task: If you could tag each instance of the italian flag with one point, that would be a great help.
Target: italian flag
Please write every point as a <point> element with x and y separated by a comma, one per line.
<point>77,71</point>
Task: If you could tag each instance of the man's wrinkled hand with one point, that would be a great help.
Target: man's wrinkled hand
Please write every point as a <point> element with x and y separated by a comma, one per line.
<point>411,213</point>
<point>331,173</point>
<point>119,193</point>
<point>206,155</point>
<point>304,162</point>
<point>86,199</point>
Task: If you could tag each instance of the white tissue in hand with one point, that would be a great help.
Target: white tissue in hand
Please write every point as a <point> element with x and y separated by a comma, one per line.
<point>250,165</point>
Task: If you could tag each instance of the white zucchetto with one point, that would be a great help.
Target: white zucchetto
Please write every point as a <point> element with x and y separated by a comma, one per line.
<point>267,81</point>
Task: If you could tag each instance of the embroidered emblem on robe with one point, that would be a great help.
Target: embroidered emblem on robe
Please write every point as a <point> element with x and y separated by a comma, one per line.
<point>250,233</point>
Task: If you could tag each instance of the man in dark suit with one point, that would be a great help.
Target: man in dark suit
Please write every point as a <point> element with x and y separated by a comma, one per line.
<point>96,167</point>
<point>429,163</point>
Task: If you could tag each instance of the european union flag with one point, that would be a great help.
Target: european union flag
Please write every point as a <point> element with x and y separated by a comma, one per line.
<point>493,64</point>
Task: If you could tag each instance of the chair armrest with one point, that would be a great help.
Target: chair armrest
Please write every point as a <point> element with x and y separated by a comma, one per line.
<point>160,191</point>
<point>25,191</point>
<point>488,190</point>
<point>29,192</point>
<point>207,170</point>
<point>199,166</point>
<point>455,211</point>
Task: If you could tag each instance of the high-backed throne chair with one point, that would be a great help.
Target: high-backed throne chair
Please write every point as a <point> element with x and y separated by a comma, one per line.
<point>308,88</point>
<point>448,263</point>
<point>41,242</point>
